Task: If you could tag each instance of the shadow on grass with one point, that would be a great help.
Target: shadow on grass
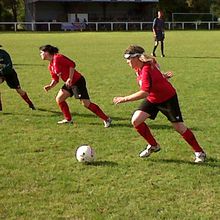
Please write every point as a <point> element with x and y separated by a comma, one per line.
<point>210,162</point>
<point>103,163</point>
<point>34,111</point>
<point>113,125</point>
<point>84,115</point>
<point>50,111</point>
<point>115,120</point>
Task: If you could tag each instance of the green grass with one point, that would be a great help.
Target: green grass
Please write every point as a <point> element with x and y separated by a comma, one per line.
<point>39,175</point>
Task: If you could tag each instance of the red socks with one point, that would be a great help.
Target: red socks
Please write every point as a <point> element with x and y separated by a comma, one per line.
<point>65,109</point>
<point>189,137</point>
<point>92,107</point>
<point>96,110</point>
<point>191,140</point>
<point>144,131</point>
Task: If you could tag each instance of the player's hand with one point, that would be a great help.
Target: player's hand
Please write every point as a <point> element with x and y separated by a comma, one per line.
<point>117,100</point>
<point>68,82</point>
<point>47,88</point>
<point>168,74</point>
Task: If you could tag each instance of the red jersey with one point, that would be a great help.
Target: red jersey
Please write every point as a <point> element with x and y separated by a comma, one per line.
<point>60,68</point>
<point>151,80</point>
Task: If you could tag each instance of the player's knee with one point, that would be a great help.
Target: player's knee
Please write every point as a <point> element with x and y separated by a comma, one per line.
<point>179,127</point>
<point>85,103</point>
<point>134,121</point>
<point>58,100</point>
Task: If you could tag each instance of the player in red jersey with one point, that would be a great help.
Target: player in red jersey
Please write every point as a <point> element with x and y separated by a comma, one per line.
<point>62,67</point>
<point>159,96</point>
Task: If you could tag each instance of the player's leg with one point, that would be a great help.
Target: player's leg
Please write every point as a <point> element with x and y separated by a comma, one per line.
<point>172,111</point>
<point>162,48</point>
<point>141,127</point>
<point>2,79</point>
<point>82,92</point>
<point>97,111</point>
<point>61,101</point>
<point>25,97</point>
<point>190,138</point>
<point>0,103</point>
<point>13,82</point>
<point>156,42</point>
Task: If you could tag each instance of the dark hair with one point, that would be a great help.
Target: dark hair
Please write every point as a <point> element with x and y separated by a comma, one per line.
<point>50,49</point>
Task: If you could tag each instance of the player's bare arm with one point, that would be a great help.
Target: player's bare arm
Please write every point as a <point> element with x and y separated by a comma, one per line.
<point>50,86</point>
<point>133,97</point>
<point>69,80</point>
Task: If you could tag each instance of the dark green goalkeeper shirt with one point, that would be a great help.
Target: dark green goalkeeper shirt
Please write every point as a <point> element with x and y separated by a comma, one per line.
<point>5,63</point>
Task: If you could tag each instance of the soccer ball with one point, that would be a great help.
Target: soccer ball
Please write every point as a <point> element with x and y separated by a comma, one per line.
<point>85,153</point>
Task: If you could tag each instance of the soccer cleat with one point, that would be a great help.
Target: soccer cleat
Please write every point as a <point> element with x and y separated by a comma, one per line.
<point>64,121</point>
<point>107,123</point>
<point>150,149</point>
<point>32,107</point>
<point>162,55</point>
<point>200,157</point>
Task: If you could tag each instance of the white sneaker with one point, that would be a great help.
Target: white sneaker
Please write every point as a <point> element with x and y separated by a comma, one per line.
<point>200,157</point>
<point>150,149</point>
<point>64,121</point>
<point>107,123</point>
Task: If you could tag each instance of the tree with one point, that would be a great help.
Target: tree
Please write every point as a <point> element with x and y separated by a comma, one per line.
<point>202,6</point>
<point>15,8</point>
<point>215,8</point>
<point>172,6</point>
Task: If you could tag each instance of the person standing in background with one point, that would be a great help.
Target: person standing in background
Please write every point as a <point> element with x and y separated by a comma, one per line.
<point>158,33</point>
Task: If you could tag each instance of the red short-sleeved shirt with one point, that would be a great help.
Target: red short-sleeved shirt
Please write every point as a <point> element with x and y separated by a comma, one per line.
<point>59,68</point>
<point>151,80</point>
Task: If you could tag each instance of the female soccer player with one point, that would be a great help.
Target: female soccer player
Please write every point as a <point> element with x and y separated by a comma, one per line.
<point>158,95</point>
<point>8,74</point>
<point>62,67</point>
<point>158,32</point>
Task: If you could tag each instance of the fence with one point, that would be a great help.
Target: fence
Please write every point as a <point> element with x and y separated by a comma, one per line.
<point>105,26</point>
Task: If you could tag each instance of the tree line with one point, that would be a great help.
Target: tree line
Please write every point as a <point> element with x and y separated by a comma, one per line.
<point>190,6</point>
<point>14,10</point>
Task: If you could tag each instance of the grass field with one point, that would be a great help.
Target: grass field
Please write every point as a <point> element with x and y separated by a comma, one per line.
<point>39,175</point>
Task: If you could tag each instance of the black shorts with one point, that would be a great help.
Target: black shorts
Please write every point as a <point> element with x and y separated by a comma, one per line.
<point>78,90</point>
<point>169,108</point>
<point>12,80</point>
<point>160,36</point>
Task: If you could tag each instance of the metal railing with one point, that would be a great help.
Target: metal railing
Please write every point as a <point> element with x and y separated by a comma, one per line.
<point>105,26</point>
